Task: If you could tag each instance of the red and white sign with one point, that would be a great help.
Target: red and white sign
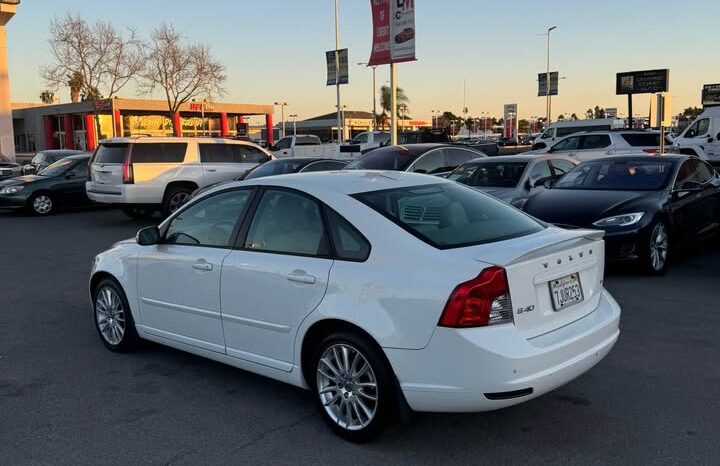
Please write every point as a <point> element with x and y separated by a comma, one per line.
<point>393,31</point>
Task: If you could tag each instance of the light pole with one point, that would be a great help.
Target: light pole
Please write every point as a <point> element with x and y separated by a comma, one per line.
<point>374,95</point>
<point>547,76</point>
<point>282,115</point>
<point>294,117</point>
<point>341,133</point>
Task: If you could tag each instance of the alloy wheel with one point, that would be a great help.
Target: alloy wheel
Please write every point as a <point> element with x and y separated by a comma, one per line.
<point>347,387</point>
<point>110,315</point>
<point>659,242</point>
<point>177,200</point>
<point>42,204</point>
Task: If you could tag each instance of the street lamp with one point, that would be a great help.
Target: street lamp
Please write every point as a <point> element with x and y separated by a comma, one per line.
<point>294,117</point>
<point>282,115</point>
<point>547,76</point>
<point>373,94</point>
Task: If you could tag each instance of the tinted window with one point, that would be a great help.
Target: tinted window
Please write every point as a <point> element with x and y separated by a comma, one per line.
<point>58,168</point>
<point>450,215</point>
<point>560,167</point>
<point>275,167</point>
<point>693,172</point>
<point>641,140</point>
<point>230,153</point>
<point>430,162</point>
<point>349,243</point>
<point>456,157</point>
<point>283,143</point>
<point>596,141</point>
<point>572,143</point>
<point>540,170</point>
<point>383,159</point>
<point>576,129</point>
<point>324,166</point>
<point>250,154</point>
<point>111,153</point>
<point>173,152</point>
<point>382,138</point>
<point>289,223</point>
<point>360,139</point>
<point>307,141</point>
<point>80,168</point>
<point>699,128</point>
<point>619,175</point>
<point>489,174</point>
<point>209,222</point>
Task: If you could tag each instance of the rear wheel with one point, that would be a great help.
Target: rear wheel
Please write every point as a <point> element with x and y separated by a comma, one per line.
<point>138,212</point>
<point>41,204</point>
<point>175,198</point>
<point>657,248</point>
<point>355,386</point>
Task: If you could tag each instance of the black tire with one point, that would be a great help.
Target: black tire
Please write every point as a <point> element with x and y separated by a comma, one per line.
<point>41,204</point>
<point>171,201</point>
<point>129,339</point>
<point>653,260</point>
<point>385,407</point>
<point>138,213</point>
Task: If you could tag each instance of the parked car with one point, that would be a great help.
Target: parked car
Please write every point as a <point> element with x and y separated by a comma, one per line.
<point>486,146</point>
<point>62,184</point>
<point>512,178</point>
<point>313,280</point>
<point>560,129</point>
<point>295,165</point>
<point>8,168</point>
<point>433,159</point>
<point>646,205</point>
<point>591,145</point>
<point>702,137</point>
<point>46,158</point>
<point>363,143</point>
<point>303,145</point>
<point>146,174</point>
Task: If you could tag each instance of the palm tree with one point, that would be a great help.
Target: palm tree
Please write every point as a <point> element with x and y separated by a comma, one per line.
<point>47,96</point>
<point>76,84</point>
<point>386,101</point>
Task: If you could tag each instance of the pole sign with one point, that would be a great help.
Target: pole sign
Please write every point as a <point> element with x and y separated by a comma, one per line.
<point>642,82</point>
<point>510,121</point>
<point>344,75</point>
<point>711,95</point>
<point>393,31</point>
<point>542,84</point>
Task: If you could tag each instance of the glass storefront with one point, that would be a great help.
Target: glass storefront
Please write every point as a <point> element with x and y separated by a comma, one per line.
<point>146,125</point>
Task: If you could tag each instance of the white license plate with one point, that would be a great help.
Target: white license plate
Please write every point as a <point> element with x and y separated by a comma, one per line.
<point>103,177</point>
<point>566,291</point>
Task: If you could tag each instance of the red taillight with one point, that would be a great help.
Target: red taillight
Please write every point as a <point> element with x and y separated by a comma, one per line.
<point>127,170</point>
<point>482,301</point>
<point>651,151</point>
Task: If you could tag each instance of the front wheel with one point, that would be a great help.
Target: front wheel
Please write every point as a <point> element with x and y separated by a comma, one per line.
<point>355,386</point>
<point>657,249</point>
<point>41,204</point>
<point>113,319</point>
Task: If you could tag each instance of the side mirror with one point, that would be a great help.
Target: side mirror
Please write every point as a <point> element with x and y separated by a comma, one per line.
<point>539,145</point>
<point>540,182</point>
<point>148,236</point>
<point>70,176</point>
<point>548,183</point>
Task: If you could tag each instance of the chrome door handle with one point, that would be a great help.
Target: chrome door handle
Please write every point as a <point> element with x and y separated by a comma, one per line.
<point>202,265</point>
<point>301,277</point>
<point>210,170</point>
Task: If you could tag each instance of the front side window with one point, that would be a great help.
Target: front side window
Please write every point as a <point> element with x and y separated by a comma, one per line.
<point>547,134</point>
<point>450,215</point>
<point>360,139</point>
<point>288,223</point>
<point>596,141</point>
<point>430,162</point>
<point>693,173</point>
<point>173,152</point>
<point>620,175</point>
<point>490,174</point>
<point>698,129</point>
<point>209,222</point>
<point>58,168</point>
<point>540,170</point>
<point>572,143</point>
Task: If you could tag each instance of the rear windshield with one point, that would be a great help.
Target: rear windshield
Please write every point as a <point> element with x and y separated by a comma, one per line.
<point>393,159</point>
<point>307,141</point>
<point>620,175</point>
<point>642,140</point>
<point>450,215</point>
<point>490,175</point>
<point>111,153</point>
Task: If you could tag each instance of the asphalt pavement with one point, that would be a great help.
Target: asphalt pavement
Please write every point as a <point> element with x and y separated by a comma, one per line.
<point>66,400</point>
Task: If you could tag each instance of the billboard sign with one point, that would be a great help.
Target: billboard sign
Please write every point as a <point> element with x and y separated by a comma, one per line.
<point>642,82</point>
<point>510,122</point>
<point>711,95</point>
<point>542,84</point>
<point>344,76</point>
<point>393,31</point>
<point>611,112</point>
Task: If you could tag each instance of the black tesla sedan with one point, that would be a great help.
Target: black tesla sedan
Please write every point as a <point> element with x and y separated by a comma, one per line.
<point>432,159</point>
<point>60,184</point>
<point>645,204</point>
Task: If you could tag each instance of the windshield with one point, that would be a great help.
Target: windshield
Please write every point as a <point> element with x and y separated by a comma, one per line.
<point>450,215</point>
<point>392,159</point>
<point>618,175</point>
<point>4,159</point>
<point>489,174</point>
<point>58,168</point>
<point>276,167</point>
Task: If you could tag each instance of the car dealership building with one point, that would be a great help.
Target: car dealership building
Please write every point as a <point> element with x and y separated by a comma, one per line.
<point>80,125</point>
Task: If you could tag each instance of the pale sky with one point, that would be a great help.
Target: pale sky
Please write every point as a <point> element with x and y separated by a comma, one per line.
<point>274,49</point>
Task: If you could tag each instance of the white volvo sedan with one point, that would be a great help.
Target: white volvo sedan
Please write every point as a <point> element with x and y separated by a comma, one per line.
<point>379,291</point>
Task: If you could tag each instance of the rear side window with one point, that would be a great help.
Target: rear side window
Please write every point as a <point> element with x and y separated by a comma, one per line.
<point>111,153</point>
<point>642,140</point>
<point>450,215</point>
<point>307,141</point>
<point>596,141</point>
<point>349,244</point>
<point>392,158</point>
<point>323,166</point>
<point>231,153</point>
<point>173,152</point>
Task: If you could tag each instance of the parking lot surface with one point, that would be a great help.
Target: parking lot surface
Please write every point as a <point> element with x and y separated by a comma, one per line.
<point>66,400</point>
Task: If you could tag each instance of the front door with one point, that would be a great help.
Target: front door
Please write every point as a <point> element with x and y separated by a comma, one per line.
<point>696,200</point>
<point>179,280</point>
<point>276,279</point>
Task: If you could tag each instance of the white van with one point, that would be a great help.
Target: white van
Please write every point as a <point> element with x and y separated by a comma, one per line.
<point>701,137</point>
<point>560,129</point>
<point>364,142</point>
<point>144,174</point>
<point>303,145</point>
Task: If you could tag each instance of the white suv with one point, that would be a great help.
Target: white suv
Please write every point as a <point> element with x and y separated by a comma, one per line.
<point>146,174</point>
<point>595,144</point>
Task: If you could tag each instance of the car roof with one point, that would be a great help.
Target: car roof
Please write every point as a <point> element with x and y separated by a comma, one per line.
<point>641,157</point>
<point>518,158</point>
<point>161,139</point>
<point>60,151</point>
<point>78,157</point>
<point>416,149</point>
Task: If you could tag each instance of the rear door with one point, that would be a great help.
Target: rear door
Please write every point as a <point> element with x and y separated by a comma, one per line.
<point>594,146</point>
<point>107,166</point>
<point>224,162</point>
<point>568,147</point>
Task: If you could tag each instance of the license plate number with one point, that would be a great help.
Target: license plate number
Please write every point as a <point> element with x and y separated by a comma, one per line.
<point>566,291</point>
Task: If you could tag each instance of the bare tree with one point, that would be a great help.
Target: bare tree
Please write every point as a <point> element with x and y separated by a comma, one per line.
<point>182,71</point>
<point>98,58</point>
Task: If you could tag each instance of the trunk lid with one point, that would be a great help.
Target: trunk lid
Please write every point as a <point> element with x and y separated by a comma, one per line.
<point>106,168</point>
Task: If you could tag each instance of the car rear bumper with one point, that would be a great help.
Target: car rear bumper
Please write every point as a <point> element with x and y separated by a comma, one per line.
<point>482,369</point>
<point>125,194</point>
